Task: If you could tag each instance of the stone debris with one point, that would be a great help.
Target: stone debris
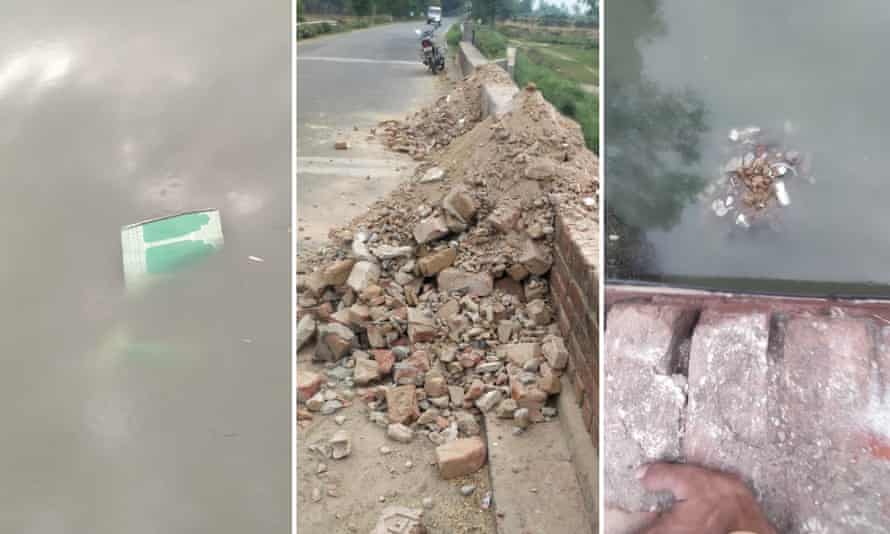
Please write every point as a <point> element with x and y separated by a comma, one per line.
<point>401,402</point>
<point>434,174</point>
<point>471,284</point>
<point>400,433</point>
<point>363,275</point>
<point>434,306</point>
<point>522,418</point>
<point>506,409</point>
<point>308,384</point>
<point>399,520</point>
<point>489,400</point>
<point>365,371</point>
<point>305,330</point>
<point>430,229</point>
<point>341,445</point>
<point>433,263</point>
<point>460,457</point>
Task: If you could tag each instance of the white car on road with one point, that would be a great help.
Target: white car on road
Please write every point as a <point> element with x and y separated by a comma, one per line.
<point>434,15</point>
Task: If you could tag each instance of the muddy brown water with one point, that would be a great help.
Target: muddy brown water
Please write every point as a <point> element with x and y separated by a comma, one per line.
<point>167,411</point>
<point>680,75</point>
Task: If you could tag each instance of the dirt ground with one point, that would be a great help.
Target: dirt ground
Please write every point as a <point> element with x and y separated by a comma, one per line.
<point>352,488</point>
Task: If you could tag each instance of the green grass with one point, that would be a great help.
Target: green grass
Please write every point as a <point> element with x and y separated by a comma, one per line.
<point>550,36</point>
<point>565,94</point>
<point>344,24</point>
<point>573,62</point>
<point>453,36</point>
<point>305,32</point>
<point>491,43</point>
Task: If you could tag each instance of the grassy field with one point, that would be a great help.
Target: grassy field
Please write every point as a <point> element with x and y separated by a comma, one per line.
<point>572,54</point>
<point>540,34</point>
<point>491,43</point>
<point>578,64</point>
<point>563,64</point>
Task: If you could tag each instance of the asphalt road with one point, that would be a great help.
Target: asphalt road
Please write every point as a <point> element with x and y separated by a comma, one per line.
<point>348,81</point>
<point>167,411</point>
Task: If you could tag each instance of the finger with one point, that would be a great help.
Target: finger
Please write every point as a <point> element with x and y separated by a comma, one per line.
<point>679,479</point>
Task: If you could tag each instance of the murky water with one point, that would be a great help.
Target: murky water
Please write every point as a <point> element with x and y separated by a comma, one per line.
<point>681,74</point>
<point>166,411</point>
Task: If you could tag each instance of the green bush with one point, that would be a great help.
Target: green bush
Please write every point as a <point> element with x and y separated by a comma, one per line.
<point>566,95</point>
<point>453,36</point>
<point>311,30</point>
<point>491,43</point>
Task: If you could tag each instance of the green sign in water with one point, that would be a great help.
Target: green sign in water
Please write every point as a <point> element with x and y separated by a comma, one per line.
<point>162,246</point>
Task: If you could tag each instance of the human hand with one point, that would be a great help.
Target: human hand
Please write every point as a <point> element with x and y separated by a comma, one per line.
<point>706,501</point>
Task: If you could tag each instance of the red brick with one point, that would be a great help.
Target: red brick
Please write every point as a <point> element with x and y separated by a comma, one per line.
<point>460,457</point>
<point>728,389</point>
<point>401,403</point>
<point>385,359</point>
<point>562,319</point>
<point>308,384</point>
<point>587,412</point>
<point>827,378</point>
<point>646,333</point>
<point>641,418</point>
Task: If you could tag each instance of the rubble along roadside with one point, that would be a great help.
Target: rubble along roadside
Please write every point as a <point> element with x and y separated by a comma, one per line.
<point>434,306</point>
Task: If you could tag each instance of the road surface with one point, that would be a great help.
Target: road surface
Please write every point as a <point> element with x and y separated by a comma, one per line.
<point>170,411</point>
<point>347,81</point>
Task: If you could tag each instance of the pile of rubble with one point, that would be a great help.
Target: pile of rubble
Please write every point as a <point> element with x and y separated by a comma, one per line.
<point>753,181</point>
<point>433,307</point>
<point>434,127</point>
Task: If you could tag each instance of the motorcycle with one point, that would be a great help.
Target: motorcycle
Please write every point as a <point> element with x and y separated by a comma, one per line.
<point>431,54</point>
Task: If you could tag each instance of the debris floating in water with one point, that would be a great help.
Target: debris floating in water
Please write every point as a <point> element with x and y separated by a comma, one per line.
<point>756,175</point>
<point>782,194</point>
<point>161,247</point>
<point>719,208</point>
<point>256,259</point>
<point>744,135</point>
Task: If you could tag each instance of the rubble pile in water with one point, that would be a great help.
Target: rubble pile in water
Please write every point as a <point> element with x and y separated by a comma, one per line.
<point>755,179</point>
<point>434,306</point>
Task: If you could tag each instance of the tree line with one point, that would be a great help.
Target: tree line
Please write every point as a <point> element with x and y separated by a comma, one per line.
<point>396,8</point>
<point>491,10</point>
<point>488,10</point>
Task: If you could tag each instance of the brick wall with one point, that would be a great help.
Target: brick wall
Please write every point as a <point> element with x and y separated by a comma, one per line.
<point>778,390</point>
<point>573,283</point>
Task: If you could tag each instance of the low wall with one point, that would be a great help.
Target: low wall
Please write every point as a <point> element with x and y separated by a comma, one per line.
<point>574,291</point>
<point>573,288</point>
<point>496,99</point>
<point>573,284</point>
<point>469,58</point>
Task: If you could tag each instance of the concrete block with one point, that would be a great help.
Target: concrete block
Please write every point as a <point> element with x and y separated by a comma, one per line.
<point>497,99</point>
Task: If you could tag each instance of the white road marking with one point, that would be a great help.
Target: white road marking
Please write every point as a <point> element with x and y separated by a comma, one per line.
<point>359,60</point>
